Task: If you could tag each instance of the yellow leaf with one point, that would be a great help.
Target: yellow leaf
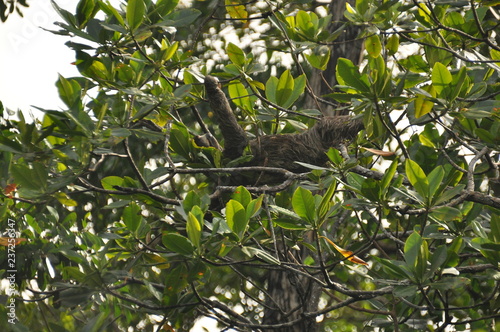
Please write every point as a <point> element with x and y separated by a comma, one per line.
<point>349,255</point>
<point>380,152</point>
<point>236,10</point>
<point>65,200</point>
<point>422,104</point>
<point>6,241</point>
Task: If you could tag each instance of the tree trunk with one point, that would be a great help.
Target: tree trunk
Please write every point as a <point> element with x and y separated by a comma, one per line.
<point>289,294</point>
<point>345,46</point>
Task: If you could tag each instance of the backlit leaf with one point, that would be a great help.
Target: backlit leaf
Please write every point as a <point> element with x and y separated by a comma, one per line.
<point>441,78</point>
<point>373,46</point>
<point>348,74</point>
<point>193,229</point>
<point>235,54</point>
<point>135,13</point>
<point>235,9</point>
<point>392,44</point>
<point>240,96</point>
<point>285,88</point>
<point>417,177</point>
<point>236,217</point>
<point>303,204</point>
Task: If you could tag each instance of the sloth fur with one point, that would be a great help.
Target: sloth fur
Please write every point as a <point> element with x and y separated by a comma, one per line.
<point>279,150</point>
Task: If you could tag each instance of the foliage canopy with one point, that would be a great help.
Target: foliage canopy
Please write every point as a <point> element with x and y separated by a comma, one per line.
<point>128,223</point>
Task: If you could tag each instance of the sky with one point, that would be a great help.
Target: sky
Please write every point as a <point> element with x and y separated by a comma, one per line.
<point>31,58</point>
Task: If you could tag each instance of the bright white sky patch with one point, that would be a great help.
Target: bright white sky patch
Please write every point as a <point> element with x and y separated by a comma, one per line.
<point>32,58</point>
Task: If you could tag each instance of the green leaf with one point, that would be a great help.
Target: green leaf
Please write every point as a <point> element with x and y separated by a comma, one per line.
<point>348,74</point>
<point>326,202</point>
<point>417,178</point>
<point>236,217</point>
<point>285,88</point>
<point>110,182</point>
<point>164,7</point>
<point>169,50</point>
<point>242,195</point>
<point>320,57</point>
<point>437,260</point>
<point>454,249</point>
<point>64,14</point>
<point>8,145</point>
<point>264,255</point>
<point>254,207</point>
<point>307,23</point>
<point>422,104</point>
<point>422,261</point>
<point>84,11</point>
<point>110,10</point>
<point>235,9</point>
<point>240,96</point>
<point>179,141</point>
<point>199,214</point>
<point>298,90</point>
<point>392,44</point>
<point>183,91</point>
<point>458,82</point>
<point>392,267</point>
<point>181,18</point>
<point>271,87</point>
<point>190,201</point>
<point>120,132</point>
<point>441,78</point>
<point>176,281</point>
<point>290,224</point>
<point>450,283</point>
<point>178,243</point>
<point>235,54</point>
<point>303,204</point>
<point>447,213</point>
<point>450,193</point>
<point>97,70</point>
<point>495,228</point>
<point>69,91</point>
<point>334,156</point>
<point>132,217</point>
<point>405,291</point>
<point>155,292</point>
<point>435,178</point>
<point>135,13</point>
<point>34,177</point>
<point>117,204</point>
<point>286,212</point>
<point>412,250</point>
<point>388,176</point>
<point>193,229</point>
<point>373,46</point>
<point>64,199</point>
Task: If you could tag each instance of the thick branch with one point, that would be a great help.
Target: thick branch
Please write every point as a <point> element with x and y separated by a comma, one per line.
<point>235,138</point>
<point>282,151</point>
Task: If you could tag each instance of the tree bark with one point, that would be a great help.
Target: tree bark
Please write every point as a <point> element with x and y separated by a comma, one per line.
<point>290,295</point>
<point>345,46</point>
<point>293,291</point>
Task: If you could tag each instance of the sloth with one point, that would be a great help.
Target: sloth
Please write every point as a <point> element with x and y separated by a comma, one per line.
<point>284,150</point>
